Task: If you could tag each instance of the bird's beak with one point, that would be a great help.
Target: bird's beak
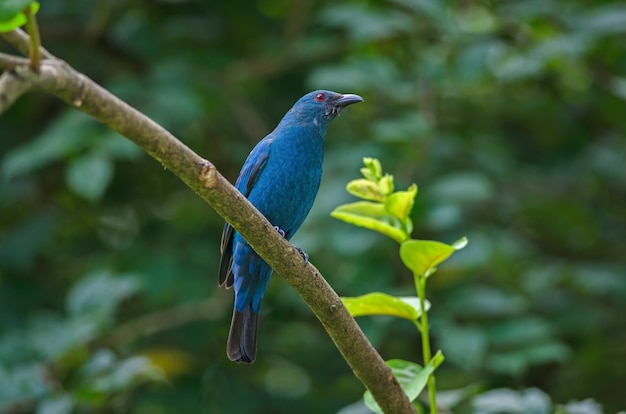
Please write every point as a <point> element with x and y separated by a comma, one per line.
<point>347,99</point>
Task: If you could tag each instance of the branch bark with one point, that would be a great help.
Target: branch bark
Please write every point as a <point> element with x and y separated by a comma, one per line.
<point>59,79</point>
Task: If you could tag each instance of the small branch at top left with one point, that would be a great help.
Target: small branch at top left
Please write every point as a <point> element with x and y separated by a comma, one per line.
<point>8,62</point>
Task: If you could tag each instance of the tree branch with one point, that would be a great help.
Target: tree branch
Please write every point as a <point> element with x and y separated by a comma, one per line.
<point>59,79</point>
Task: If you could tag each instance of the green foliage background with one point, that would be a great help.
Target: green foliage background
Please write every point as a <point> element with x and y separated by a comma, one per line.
<point>509,115</point>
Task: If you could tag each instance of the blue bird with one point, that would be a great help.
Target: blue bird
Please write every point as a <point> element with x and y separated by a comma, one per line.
<point>280,177</point>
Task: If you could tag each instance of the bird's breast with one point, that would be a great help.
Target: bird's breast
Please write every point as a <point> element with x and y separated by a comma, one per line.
<point>287,187</point>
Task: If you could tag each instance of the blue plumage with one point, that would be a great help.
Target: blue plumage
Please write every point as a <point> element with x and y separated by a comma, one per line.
<point>280,177</point>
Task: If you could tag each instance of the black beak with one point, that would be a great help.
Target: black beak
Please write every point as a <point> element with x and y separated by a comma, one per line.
<point>347,99</point>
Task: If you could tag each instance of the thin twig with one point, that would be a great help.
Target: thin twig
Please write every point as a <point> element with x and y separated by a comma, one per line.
<point>10,61</point>
<point>420,281</point>
<point>34,53</point>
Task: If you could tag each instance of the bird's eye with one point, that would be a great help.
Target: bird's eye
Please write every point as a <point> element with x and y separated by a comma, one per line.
<point>320,97</point>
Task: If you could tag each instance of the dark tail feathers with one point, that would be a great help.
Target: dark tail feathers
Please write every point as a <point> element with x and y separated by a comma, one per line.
<point>241,345</point>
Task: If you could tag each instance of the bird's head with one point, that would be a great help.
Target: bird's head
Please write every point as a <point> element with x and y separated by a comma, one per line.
<point>318,108</point>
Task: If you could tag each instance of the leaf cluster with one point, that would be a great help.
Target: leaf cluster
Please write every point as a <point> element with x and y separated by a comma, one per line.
<point>388,213</point>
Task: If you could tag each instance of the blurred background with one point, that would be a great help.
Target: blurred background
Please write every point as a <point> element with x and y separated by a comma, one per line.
<point>510,116</point>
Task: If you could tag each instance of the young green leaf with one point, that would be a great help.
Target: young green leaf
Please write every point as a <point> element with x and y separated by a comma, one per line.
<point>385,184</point>
<point>423,255</point>
<point>12,13</point>
<point>377,303</point>
<point>371,216</point>
<point>365,189</point>
<point>372,170</point>
<point>400,203</point>
<point>411,376</point>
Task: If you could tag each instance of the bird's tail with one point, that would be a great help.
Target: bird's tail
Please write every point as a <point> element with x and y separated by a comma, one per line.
<point>241,345</point>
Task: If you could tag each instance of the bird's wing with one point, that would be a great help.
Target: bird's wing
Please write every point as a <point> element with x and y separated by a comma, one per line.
<point>248,176</point>
<point>226,247</point>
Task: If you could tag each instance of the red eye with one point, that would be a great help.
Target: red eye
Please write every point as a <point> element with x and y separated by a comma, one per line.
<point>320,97</point>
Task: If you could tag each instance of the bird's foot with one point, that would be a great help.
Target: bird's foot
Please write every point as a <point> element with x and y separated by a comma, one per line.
<point>280,231</point>
<point>302,252</point>
<point>304,255</point>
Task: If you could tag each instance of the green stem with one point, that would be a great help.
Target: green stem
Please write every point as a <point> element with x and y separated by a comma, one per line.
<point>420,282</point>
<point>35,41</point>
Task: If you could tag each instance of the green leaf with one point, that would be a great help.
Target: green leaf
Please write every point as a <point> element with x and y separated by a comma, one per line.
<point>411,376</point>
<point>371,216</point>
<point>373,170</point>
<point>377,303</point>
<point>386,184</point>
<point>400,203</point>
<point>365,189</point>
<point>423,256</point>
<point>89,176</point>
<point>415,386</point>
<point>12,13</point>
<point>9,8</point>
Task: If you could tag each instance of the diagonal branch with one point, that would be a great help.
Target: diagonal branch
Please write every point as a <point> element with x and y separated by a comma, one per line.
<point>59,79</point>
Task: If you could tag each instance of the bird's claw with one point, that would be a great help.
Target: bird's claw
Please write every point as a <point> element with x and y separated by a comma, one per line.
<point>302,252</point>
<point>280,231</point>
<point>304,255</point>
